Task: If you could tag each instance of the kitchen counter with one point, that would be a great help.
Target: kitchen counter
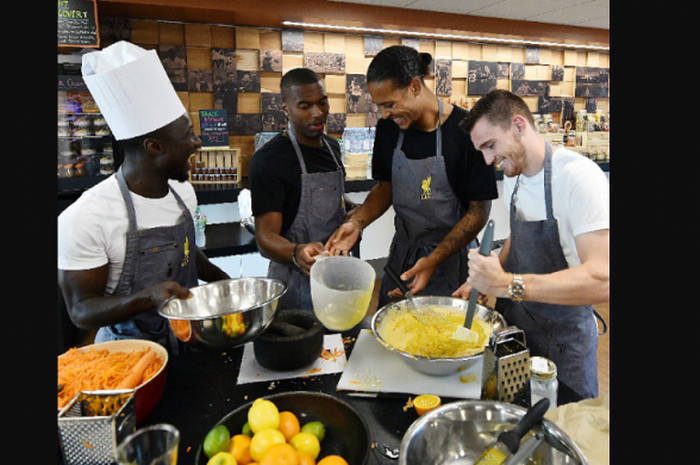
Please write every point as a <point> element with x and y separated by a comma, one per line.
<point>201,389</point>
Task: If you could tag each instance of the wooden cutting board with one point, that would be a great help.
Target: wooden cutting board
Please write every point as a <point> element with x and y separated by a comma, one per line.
<point>373,368</point>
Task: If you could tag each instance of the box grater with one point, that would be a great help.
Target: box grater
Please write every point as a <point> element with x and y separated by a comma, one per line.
<point>506,368</point>
<point>93,440</point>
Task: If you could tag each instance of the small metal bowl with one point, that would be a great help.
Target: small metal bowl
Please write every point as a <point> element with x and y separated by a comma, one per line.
<point>224,314</point>
<point>436,366</point>
<point>459,432</point>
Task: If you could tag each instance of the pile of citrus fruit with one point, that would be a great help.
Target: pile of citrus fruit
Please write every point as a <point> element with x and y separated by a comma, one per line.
<point>270,437</point>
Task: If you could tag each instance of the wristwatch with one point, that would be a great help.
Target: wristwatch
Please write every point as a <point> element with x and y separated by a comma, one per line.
<point>516,289</point>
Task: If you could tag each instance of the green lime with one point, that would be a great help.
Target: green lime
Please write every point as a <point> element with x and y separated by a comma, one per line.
<point>216,440</point>
<point>246,430</point>
<point>316,428</point>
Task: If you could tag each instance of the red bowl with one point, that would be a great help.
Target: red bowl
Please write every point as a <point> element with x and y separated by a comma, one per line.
<point>147,393</point>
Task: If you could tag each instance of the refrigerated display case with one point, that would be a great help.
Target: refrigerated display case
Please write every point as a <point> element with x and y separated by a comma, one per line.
<point>87,152</point>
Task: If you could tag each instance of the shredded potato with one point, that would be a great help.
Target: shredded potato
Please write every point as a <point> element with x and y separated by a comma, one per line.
<point>403,331</point>
<point>99,369</point>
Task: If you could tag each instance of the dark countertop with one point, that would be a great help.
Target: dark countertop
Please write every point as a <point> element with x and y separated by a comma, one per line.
<point>201,389</point>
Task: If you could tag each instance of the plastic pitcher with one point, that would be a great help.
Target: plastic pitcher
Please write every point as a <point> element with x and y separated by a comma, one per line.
<point>341,289</point>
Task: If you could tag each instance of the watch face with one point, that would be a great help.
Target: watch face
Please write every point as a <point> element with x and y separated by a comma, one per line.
<point>516,290</point>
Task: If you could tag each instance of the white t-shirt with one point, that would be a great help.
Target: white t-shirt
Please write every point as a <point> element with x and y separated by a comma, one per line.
<point>92,230</point>
<point>580,198</point>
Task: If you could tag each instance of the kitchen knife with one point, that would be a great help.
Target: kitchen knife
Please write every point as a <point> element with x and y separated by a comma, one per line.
<point>508,442</point>
<point>484,249</point>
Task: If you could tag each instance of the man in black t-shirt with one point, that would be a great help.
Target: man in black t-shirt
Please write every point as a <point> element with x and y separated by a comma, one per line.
<point>428,170</point>
<point>297,188</point>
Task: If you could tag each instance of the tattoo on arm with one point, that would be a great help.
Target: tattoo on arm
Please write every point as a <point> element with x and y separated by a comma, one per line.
<point>466,230</point>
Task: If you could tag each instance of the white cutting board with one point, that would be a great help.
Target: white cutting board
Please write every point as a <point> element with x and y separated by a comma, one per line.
<point>373,368</point>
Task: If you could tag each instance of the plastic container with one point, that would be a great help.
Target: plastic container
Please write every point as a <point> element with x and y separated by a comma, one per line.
<point>200,222</point>
<point>341,290</point>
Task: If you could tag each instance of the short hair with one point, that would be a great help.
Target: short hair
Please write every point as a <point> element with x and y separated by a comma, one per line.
<point>401,64</point>
<point>297,77</point>
<point>498,107</point>
<point>135,144</point>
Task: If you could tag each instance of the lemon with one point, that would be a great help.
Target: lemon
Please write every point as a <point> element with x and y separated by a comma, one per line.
<point>263,414</point>
<point>222,458</point>
<point>307,443</point>
<point>263,440</point>
<point>425,403</point>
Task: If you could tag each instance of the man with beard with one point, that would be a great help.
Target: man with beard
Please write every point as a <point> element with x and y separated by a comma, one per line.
<point>297,188</point>
<point>555,264</point>
<point>127,244</point>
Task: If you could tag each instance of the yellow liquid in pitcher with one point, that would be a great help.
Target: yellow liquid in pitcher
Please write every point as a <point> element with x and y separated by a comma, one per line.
<point>345,313</point>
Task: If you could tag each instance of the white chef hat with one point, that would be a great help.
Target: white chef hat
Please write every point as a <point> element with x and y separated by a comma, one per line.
<point>131,88</point>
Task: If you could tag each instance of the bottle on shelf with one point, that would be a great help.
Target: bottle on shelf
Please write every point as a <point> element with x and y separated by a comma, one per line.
<point>200,222</point>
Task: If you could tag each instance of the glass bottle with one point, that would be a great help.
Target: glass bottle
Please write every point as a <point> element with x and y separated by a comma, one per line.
<point>543,381</point>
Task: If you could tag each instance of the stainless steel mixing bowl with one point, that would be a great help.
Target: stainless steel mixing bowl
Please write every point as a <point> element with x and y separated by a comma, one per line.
<point>224,314</point>
<point>458,432</point>
<point>436,366</point>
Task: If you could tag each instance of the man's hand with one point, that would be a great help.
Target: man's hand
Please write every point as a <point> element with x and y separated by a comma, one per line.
<point>159,293</point>
<point>421,273</point>
<point>343,239</point>
<point>306,255</point>
<point>487,275</point>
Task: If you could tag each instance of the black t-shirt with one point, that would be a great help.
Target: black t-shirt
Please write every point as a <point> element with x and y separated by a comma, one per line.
<point>275,175</point>
<point>470,177</point>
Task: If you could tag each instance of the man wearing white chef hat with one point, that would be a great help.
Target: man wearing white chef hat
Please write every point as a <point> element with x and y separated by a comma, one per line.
<point>127,244</point>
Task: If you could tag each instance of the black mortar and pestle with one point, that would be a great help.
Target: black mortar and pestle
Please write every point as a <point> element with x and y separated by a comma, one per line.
<point>292,341</point>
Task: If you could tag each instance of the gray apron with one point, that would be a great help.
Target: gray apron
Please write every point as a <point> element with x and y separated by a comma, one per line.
<point>426,211</point>
<point>321,211</point>
<point>565,334</point>
<point>153,255</point>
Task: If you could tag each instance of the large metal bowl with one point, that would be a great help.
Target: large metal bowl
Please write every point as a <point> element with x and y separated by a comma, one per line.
<point>436,366</point>
<point>224,314</point>
<point>458,432</point>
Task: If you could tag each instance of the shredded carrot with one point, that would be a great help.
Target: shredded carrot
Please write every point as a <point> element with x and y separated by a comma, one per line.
<point>99,369</point>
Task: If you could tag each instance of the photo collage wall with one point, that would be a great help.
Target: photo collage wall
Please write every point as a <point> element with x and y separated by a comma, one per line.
<point>239,69</point>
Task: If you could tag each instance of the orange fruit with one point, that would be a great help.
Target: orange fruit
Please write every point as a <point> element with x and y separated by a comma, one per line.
<point>239,447</point>
<point>280,454</point>
<point>425,403</point>
<point>305,459</point>
<point>289,425</point>
<point>332,460</point>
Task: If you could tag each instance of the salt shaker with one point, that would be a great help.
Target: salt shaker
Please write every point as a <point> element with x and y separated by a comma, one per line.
<point>543,381</point>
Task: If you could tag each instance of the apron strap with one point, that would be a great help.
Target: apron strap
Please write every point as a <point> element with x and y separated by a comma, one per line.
<point>130,210</point>
<point>300,157</point>
<point>548,180</point>
<point>547,185</point>
<point>602,320</point>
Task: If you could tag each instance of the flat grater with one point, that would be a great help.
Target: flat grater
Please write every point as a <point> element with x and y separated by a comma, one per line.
<point>506,368</point>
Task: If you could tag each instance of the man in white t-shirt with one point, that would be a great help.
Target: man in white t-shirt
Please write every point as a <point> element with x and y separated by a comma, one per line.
<point>127,244</point>
<point>555,264</point>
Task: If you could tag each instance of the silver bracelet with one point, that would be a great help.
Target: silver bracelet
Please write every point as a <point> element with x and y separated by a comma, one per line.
<point>294,257</point>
